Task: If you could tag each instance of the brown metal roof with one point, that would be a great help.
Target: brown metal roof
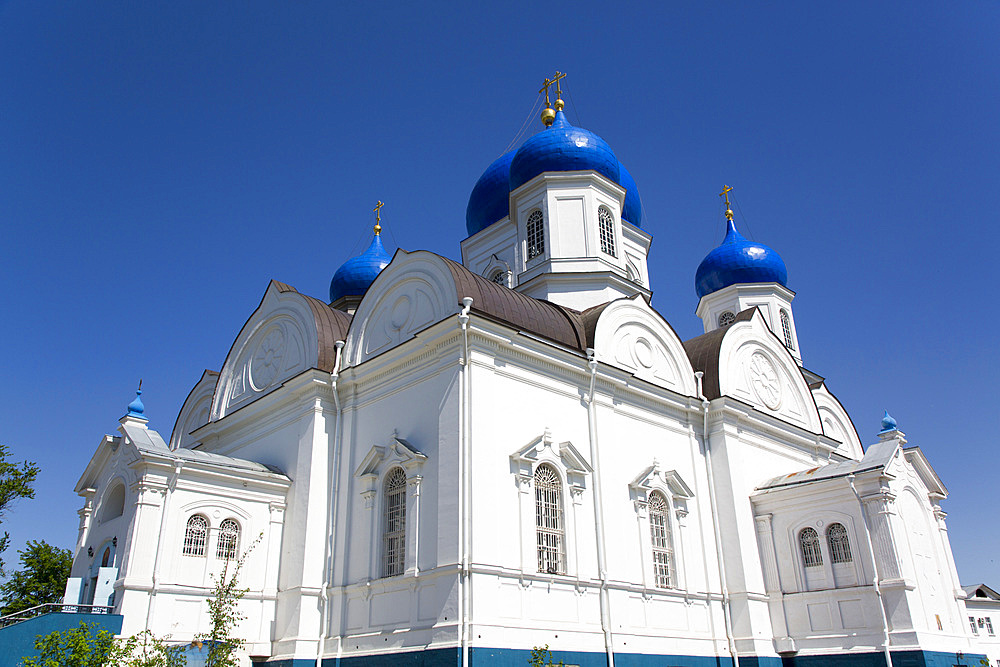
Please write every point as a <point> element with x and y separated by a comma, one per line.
<point>703,351</point>
<point>331,326</point>
<point>557,323</point>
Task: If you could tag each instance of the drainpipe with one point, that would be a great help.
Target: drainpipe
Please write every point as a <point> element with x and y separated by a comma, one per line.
<point>171,485</point>
<point>331,508</point>
<point>599,511</point>
<point>875,579</point>
<point>463,464</point>
<point>726,611</point>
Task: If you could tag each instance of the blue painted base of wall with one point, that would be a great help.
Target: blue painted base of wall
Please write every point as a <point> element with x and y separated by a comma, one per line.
<point>506,657</point>
<point>18,641</point>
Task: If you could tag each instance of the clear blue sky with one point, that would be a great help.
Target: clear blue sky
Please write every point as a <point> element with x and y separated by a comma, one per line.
<point>163,161</point>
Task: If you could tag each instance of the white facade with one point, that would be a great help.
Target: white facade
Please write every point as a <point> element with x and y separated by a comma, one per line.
<point>460,471</point>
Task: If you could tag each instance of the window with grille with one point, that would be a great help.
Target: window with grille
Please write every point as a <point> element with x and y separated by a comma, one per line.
<point>394,532</point>
<point>726,318</point>
<point>229,540</point>
<point>663,543</point>
<point>989,625</point>
<point>809,543</point>
<point>535,234</point>
<point>840,546</point>
<point>972,623</point>
<point>194,536</point>
<point>500,278</point>
<point>606,227</point>
<point>786,329</point>
<point>549,529</point>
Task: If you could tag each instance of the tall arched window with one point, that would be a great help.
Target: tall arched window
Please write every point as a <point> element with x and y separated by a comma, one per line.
<point>549,528</point>
<point>663,543</point>
<point>809,543</point>
<point>840,546</point>
<point>786,329</point>
<point>194,536</point>
<point>229,540</point>
<point>534,233</point>
<point>606,228</point>
<point>394,528</point>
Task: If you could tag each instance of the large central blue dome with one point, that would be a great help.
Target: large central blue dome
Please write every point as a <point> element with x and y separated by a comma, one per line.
<point>561,147</point>
<point>738,260</point>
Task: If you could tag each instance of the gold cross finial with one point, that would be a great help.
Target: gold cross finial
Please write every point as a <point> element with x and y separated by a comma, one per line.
<point>559,76</point>
<point>725,193</point>
<point>378,218</point>
<point>545,89</point>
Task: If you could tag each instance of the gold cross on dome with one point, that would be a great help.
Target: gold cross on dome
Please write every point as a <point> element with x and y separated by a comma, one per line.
<point>725,193</point>
<point>545,89</point>
<point>559,76</point>
<point>378,217</point>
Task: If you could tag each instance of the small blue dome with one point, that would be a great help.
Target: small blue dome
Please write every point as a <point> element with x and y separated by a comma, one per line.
<point>633,205</point>
<point>357,274</point>
<point>888,423</point>
<point>136,408</point>
<point>738,260</point>
<point>490,199</point>
<point>562,147</point>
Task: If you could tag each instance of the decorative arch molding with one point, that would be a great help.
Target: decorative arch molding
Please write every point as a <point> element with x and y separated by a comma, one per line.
<point>564,456</point>
<point>634,337</point>
<point>416,290</point>
<point>755,367</point>
<point>837,423</point>
<point>379,460</point>
<point>279,341</point>
<point>207,506</point>
<point>112,504</point>
<point>196,411</point>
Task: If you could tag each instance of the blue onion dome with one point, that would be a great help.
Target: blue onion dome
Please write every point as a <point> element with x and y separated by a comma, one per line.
<point>562,147</point>
<point>357,274</point>
<point>490,199</point>
<point>633,205</point>
<point>136,408</point>
<point>738,260</point>
<point>888,423</point>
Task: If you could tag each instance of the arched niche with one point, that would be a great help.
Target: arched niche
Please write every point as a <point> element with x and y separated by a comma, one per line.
<point>416,290</point>
<point>837,423</point>
<point>756,368</point>
<point>196,411</point>
<point>634,337</point>
<point>279,341</point>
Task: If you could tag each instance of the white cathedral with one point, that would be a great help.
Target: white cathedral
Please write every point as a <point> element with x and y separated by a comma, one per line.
<point>451,464</point>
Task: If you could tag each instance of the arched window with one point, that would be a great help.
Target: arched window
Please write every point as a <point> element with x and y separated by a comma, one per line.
<point>549,528</point>
<point>606,227</point>
<point>394,531</point>
<point>106,558</point>
<point>840,547</point>
<point>534,233</point>
<point>663,543</point>
<point>194,536</point>
<point>786,329</point>
<point>229,540</point>
<point>726,318</point>
<point>499,277</point>
<point>114,503</point>
<point>809,543</point>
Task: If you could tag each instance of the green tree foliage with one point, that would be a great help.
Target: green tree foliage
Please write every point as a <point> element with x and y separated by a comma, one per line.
<point>15,482</point>
<point>41,579</point>
<point>225,615</point>
<point>146,650</point>
<point>542,657</point>
<point>79,647</point>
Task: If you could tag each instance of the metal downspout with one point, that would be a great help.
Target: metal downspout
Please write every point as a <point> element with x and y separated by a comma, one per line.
<point>331,509</point>
<point>463,463</point>
<point>726,611</point>
<point>875,578</point>
<point>599,511</point>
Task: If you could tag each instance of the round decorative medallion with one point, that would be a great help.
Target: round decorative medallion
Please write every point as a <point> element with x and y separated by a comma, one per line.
<point>267,358</point>
<point>764,380</point>
<point>400,314</point>
<point>643,353</point>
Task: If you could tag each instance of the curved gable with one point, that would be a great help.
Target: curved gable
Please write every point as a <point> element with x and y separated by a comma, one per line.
<point>631,335</point>
<point>287,334</point>
<point>195,412</point>
<point>837,423</point>
<point>756,368</point>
